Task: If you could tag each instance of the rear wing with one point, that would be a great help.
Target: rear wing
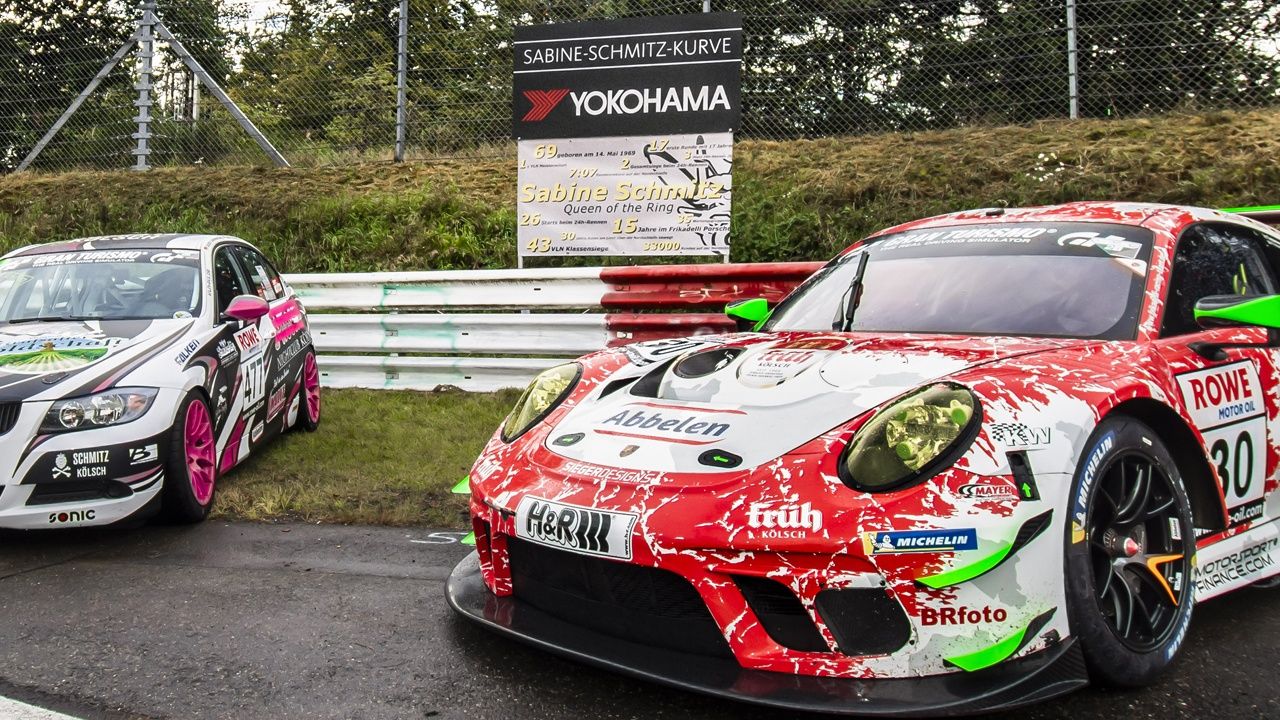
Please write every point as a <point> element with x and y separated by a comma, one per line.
<point>1269,214</point>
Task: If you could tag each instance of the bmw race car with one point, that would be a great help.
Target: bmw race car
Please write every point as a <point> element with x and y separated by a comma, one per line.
<point>974,462</point>
<point>136,369</point>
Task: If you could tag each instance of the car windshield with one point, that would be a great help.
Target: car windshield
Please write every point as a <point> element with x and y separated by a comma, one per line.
<point>1080,280</point>
<point>100,285</point>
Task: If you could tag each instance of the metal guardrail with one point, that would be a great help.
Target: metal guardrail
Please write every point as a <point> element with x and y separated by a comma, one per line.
<point>371,344</point>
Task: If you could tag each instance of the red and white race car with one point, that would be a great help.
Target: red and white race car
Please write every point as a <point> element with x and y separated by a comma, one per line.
<point>974,462</point>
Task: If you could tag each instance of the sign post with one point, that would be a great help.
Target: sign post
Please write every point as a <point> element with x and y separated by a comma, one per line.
<point>625,135</point>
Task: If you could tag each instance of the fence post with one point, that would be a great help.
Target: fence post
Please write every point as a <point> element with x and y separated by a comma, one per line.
<point>706,6</point>
<point>146,37</point>
<point>402,71</point>
<point>1073,82</point>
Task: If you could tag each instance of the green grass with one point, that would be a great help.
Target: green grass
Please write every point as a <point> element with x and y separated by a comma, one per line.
<point>795,200</point>
<point>386,457</point>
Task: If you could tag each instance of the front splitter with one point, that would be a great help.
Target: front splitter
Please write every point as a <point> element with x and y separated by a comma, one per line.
<point>1046,674</point>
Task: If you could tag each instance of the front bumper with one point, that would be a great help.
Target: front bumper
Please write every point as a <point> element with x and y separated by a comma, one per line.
<point>1037,677</point>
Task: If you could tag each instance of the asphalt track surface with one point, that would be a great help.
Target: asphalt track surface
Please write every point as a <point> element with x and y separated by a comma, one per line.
<point>230,620</point>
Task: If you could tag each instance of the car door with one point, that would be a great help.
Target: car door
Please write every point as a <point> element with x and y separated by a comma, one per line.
<point>236,393</point>
<point>285,335</point>
<point>1229,400</point>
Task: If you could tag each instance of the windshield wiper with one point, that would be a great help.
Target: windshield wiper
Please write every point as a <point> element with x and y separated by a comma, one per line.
<point>53,318</point>
<point>853,296</point>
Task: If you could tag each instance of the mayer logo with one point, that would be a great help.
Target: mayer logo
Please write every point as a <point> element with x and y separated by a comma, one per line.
<point>669,423</point>
<point>544,101</point>
<point>918,541</point>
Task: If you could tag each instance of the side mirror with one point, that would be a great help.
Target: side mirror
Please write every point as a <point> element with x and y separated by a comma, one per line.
<point>748,314</point>
<point>246,308</point>
<point>1238,310</point>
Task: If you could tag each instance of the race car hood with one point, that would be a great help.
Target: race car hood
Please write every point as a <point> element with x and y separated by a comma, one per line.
<point>60,359</point>
<point>749,399</point>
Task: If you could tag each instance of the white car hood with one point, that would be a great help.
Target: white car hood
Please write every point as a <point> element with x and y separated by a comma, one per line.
<point>778,394</point>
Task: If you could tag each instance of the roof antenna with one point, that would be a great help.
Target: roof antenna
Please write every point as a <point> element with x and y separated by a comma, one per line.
<point>997,211</point>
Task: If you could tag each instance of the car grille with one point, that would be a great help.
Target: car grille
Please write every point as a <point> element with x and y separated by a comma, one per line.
<point>645,605</point>
<point>77,491</point>
<point>864,621</point>
<point>781,614</point>
<point>9,416</point>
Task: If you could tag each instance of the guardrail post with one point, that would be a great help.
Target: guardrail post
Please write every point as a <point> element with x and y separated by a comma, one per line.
<point>402,72</point>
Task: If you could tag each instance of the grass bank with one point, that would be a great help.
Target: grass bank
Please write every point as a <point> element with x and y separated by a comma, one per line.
<point>383,457</point>
<point>792,200</point>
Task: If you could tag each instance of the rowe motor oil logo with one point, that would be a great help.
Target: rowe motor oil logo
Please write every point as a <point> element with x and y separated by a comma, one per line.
<point>47,354</point>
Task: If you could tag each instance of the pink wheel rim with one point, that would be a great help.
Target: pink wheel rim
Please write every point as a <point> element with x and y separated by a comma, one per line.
<point>311,382</point>
<point>199,452</point>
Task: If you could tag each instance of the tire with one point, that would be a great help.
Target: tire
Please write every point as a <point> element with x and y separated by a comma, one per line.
<point>309,402</point>
<point>191,473</point>
<point>1129,555</point>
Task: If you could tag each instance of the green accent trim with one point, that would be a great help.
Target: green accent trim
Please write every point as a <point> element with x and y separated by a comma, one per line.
<point>1253,208</point>
<point>1261,311</point>
<point>987,657</point>
<point>463,487</point>
<point>470,539</point>
<point>958,575</point>
<point>755,310</point>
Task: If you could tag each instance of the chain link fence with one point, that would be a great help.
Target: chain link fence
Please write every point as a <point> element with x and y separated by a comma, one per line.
<point>319,78</point>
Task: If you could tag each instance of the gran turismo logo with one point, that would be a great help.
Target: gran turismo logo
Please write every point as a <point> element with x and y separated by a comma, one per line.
<point>544,101</point>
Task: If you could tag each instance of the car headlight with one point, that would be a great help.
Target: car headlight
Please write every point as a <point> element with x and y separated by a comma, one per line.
<point>113,407</point>
<point>911,438</point>
<point>540,398</point>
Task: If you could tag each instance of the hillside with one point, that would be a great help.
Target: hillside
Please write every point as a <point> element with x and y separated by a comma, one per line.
<point>792,200</point>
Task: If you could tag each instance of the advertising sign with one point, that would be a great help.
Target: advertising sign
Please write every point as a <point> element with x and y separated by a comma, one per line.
<point>638,76</point>
<point>667,195</point>
<point>625,135</point>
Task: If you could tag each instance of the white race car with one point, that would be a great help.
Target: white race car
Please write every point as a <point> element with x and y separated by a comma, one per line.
<point>136,369</point>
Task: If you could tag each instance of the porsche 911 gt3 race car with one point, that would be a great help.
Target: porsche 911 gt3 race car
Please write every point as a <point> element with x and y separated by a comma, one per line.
<point>974,462</point>
<point>136,369</point>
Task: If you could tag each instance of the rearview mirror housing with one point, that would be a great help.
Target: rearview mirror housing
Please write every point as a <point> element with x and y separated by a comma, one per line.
<point>1238,311</point>
<point>246,308</point>
<point>748,315</point>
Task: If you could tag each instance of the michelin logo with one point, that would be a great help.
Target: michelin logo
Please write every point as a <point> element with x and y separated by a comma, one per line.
<point>917,541</point>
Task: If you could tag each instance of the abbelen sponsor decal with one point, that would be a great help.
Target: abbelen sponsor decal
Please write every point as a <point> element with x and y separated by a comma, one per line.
<point>962,615</point>
<point>1250,561</point>
<point>584,530</point>
<point>71,516</point>
<point>784,521</point>
<point>666,423</point>
<point>916,541</point>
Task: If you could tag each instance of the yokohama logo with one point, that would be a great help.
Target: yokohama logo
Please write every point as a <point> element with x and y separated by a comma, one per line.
<point>544,101</point>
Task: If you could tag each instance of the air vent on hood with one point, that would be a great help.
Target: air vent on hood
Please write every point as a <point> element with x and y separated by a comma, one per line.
<point>706,362</point>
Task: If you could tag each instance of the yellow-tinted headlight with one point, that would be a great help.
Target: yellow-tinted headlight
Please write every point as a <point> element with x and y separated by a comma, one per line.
<point>541,397</point>
<point>903,440</point>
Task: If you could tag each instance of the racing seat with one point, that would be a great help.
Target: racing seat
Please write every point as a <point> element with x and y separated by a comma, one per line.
<point>165,294</point>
